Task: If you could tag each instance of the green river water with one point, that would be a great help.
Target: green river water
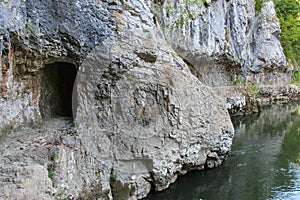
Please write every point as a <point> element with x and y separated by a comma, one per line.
<point>264,162</point>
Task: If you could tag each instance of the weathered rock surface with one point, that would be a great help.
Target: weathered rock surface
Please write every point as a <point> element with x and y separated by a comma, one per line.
<point>150,124</point>
<point>25,156</point>
<point>239,100</point>
<point>36,33</point>
<point>229,40</point>
<point>142,116</point>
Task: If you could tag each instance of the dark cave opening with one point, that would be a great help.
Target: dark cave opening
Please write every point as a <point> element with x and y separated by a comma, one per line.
<point>57,81</point>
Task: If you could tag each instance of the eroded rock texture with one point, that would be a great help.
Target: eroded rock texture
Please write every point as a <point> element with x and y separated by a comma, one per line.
<point>141,113</point>
<point>230,40</point>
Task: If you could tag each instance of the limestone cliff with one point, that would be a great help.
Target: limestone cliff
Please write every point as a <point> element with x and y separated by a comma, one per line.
<point>229,40</point>
<point>142,108</point>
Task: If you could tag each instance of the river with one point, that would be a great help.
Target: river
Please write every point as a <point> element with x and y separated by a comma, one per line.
<point>264,162</point>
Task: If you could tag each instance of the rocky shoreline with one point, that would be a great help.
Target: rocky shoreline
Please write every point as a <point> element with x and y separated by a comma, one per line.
<point>33,159</point>
<point>240,101</point>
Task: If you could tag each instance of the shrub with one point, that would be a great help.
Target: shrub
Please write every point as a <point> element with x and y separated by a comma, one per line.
<point>288,12</point>
<point>113,177</point>
<point>258,5</point>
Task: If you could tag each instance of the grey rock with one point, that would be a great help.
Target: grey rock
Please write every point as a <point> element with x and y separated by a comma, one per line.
<point>22,181</point>
<point>283,94</point>
<point>137,125</point>
<point>25,160</point>
<point>36,33</point>
<point>228,39</point>
<point>142,111</point>
<point>150,124</point>
<point>267,53</point>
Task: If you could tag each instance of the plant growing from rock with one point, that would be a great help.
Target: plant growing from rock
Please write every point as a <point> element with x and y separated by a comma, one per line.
<point>239,82</point>
<point>113,177</point>
<point>251,89</point>
<point>296,77</point>
<point>182,11</point>
<point>259,4</point>
<point>52,166</point>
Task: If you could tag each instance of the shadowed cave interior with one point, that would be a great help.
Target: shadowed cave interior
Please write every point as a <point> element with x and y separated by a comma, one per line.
<point>57,81</point>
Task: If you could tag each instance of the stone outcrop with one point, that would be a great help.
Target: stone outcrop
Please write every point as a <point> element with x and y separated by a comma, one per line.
<point>229,41</point>
<point>245,100</point>
<point>143,110</point>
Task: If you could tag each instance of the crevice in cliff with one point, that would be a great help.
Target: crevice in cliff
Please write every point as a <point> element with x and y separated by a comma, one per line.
<point>56,88</point>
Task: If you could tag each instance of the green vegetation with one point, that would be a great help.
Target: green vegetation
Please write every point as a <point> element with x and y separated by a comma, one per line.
<point>52,166</point>
<point>121,191</point>
<point>190,8</point>
<point>251,89</point>
<point>30,29</point>
<point>288,12</point>
<point>113,177</point>
<point>184,11</point>
<point>296,78</point>
<point>258,5</point>
<point>239,81</point>
<point>74,123</point>
<point>297,75</point>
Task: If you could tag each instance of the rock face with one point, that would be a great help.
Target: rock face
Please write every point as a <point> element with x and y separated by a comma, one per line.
<point>141,115</point>
<point>145,118</point>
<point>37,33</point>
<point>229,40</point>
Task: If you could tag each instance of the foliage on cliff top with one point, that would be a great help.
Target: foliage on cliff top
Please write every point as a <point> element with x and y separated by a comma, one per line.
<point>288,12</point>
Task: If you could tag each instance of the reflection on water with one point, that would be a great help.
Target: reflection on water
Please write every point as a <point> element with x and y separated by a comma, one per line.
<point>264,163</point>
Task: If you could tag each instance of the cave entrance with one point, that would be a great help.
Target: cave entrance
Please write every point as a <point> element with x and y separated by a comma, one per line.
<point>57,81</point>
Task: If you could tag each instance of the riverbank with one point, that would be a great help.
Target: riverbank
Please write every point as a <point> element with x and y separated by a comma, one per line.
<point>31,155</point>
<point>247,99</point>
<point>263,164</point>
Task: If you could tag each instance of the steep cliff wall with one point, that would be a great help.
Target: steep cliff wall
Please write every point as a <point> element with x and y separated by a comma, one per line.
<point>37,33</point>
<point>141,113</point>
<point>229,40</point>
<point>229,43</point>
